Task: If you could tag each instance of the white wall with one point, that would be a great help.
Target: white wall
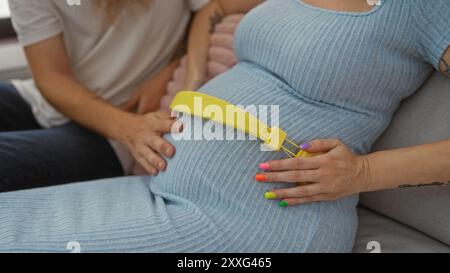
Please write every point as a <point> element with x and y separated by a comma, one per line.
<point>4,10</point>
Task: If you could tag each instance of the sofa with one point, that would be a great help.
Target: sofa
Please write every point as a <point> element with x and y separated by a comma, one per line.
<point>401,220</point>
<point>411,219</point>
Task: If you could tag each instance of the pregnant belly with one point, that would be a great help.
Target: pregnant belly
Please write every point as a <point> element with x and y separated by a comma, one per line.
<point>223,166</point>
<point>217,176</point>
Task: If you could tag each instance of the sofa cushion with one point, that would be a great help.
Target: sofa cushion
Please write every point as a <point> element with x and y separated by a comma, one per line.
<point>392,237</point>
<point>423,118</point>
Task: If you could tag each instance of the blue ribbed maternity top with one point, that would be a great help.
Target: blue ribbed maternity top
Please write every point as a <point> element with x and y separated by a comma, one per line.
<point>333,74</point>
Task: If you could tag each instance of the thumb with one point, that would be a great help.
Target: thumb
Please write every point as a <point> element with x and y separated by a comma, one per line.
<point>321,145</point>
<point>163,115</point>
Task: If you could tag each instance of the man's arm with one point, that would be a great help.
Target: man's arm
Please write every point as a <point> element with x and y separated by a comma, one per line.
<point>140,133</point>
<point>52,73</point>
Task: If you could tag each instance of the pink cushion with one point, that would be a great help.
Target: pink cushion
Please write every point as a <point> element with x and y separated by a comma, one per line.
<point>221,57</point>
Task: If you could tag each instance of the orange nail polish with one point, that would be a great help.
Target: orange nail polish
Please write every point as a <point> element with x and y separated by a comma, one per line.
<point>260,177</point>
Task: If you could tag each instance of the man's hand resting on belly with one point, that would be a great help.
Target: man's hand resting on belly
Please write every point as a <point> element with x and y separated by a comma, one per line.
<point>143,136</point>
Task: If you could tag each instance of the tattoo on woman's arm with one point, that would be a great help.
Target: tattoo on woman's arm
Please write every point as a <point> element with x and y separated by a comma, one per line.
<point>434,184</point>
<point>214,20</point>
<point>446,69</point>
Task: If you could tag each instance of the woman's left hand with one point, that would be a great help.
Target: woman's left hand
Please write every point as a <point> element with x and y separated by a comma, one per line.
<point>334,174</point>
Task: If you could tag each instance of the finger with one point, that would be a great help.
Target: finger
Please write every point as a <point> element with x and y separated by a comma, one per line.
<point>222,56</point>
<point>321,145</point>
<point>164,121</point>
<point>138,170</point>
<point>296,192</point>
<point>153,159</point>
<point>291,164</point>
<point>305,200</point>
<point>161,146</point>
<point>163,115</point>
<point>164,125</point>
<point>144,164</point>
<point>289,176</point>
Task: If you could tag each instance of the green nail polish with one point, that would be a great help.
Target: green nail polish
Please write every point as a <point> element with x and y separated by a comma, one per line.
<point>283,204</point>
<point>270,195</point>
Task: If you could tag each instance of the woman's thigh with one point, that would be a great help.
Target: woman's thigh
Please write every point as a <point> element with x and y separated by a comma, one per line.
<point>15,113</point>
<point>130,215</point>
<point>114,215</point>
<point>47,157</point>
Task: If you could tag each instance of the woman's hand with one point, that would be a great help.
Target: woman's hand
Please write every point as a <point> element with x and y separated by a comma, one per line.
<point>335,174</point>
<point>143,136</point>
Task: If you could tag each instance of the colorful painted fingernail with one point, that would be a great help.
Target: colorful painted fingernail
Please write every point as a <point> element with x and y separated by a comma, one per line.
<point>305,146</point>
<point>270,195</point>
<point>283,204</point>
<point>264,166</point>
<point>260,177</point>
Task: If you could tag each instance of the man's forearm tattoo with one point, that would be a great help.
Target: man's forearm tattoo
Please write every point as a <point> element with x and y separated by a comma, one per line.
<point>446,70</point>
<point>214,20</point>
<point>434,184</point>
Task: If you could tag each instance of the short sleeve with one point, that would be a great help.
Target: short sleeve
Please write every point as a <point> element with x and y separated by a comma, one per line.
<point>195,5</point>
<point>34,21</point>
<point>432,26</point>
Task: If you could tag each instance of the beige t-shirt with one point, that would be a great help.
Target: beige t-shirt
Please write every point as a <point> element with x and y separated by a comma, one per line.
<point>111,61</point>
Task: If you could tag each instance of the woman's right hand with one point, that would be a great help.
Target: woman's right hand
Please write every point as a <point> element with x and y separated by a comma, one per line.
<point>143,136</point>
